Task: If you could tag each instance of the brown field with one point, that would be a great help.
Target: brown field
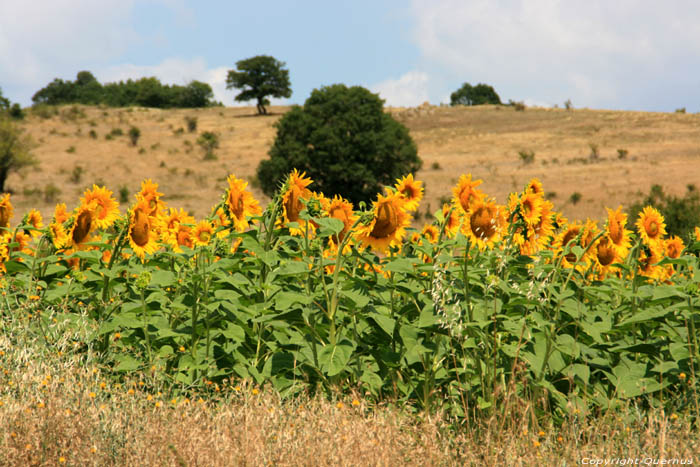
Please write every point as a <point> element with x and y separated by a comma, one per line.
<point>661,148</point>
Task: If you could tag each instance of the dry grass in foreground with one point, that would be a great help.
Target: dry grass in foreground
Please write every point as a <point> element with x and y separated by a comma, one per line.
<point>57,409</point>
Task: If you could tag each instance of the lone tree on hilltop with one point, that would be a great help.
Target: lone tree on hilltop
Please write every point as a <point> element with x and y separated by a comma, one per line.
<point>14,150</point>
<point>259,77</point>
<point>344,141</point>
<point>474,95</point>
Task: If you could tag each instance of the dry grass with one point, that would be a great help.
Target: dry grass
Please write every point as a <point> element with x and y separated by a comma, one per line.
<point>57,408</point>
<point>661,148</point>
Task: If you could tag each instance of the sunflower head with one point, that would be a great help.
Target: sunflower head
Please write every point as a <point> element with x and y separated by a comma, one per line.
<point>203,233</point>
<point>534,186</point>
<point>466,193</point>
<point>411,190</point>
<point>567,237</point>
<point>341,209</point>
<point>60,215</point>
<point>431,233</point>
<point>58,234</point>
<point>151,196</point>
<point>240,203</point>
<point>651,226</point>
<point>33,218</point>
<point>485,223</point>
<point>143,235</point>
<point>83,224</point>
<point>618,234</point>
<point>6,211</point>
<point>605,252</point>
<point>531,208</point>
<point>388,224</point>
<point>674,247</point>
<point>452,217</point>
<point>107,210</point>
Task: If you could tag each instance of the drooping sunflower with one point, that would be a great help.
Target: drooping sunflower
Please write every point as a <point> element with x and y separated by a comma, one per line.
<point>107,207</point>
<point>82,225</point>
<point>34,219</point>
<point>485,223</point>
<point>618,234</point>
<point>674,247</point>
<point>651,226</point>
<point>605,256</point>
<point>6,211</point>
<point>388,225</point>
<point>240,203</point>
<point>297,190</point>
<point>202,233</point>
<point>341,209</point>
<point>466,193</point>
<point>58,234</point>
<point>151,196</point>
<point>412,190</point>
<point>452,215</point>
<point>143,234</point>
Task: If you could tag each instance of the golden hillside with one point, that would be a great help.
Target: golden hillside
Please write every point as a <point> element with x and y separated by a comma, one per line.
<point>74,152</point>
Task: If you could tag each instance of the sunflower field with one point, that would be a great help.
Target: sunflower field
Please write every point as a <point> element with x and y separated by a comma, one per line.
<point>488,301</point>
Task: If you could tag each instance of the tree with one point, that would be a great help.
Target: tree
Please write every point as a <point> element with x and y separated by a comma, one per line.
<point>15,150</point>
<point>474,95</point>
<point>344,141</point>
<point>259,77</point>
<point>4,102</point>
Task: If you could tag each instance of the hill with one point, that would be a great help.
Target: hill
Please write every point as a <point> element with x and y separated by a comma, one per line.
<point>608,157</point>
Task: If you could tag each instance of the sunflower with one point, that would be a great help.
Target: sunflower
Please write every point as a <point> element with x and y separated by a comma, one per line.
<point>240,203</point>
<point>151,196</point>
<point>341,209</point>
<point>182,237</point>
<point>674,247</point>
<point>60,215</point>
<point>651,226</point>
<point>203,233</point>
<point>58,234</point>
<point>143,236</point>
<point>222,223</point>
<point>648,257</point>
<point>292,200</point>
<point>697,234</point>
<point>22,240</point>
<point>566,237</point>
<point>6,211</point>
<point>452,216</point>
<point>531,208</point>
<point>543,230</point>
<point>82,224</point>
<point>388,225</point>
<point>107,207</point>
<point>617,232</point>
<point>430,232</point>
<point>171,227</point>
<point>412,191</point>
<point>34,219</point>
<point>466,193</point>
<point>534,186</point>
<point>485,223</point>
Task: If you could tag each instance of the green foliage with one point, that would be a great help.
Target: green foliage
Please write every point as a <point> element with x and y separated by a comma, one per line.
<point>4,102</point>
<point>13,110</point>
<point>145,92</point>
<point>258,78</point>
<point>15,150</point>
<point>681,214</point>
<point>344,141</point>
<point>208,141</point>
<point>134,135</point>
<point>191,123</point>
<point>474,95</point>
<point>527,157</point>
<point>575,197</point>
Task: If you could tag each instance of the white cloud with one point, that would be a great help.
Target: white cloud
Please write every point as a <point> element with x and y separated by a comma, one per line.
<point>409,90</point>
<point>597,53</point>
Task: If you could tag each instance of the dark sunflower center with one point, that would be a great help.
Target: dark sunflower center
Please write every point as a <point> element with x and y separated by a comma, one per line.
<point>82,227</point>
<point>4,216</point>
<point>235,204</point>
<point>387,221</point>
<point>140,229</point>
<point>568,237</point>
<point>293,206</point>
<point>482,224</point>
<point>653,228</point>
<point>606,255</point>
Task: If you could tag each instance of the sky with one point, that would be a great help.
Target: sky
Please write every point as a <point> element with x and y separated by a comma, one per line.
<point>623,55</point>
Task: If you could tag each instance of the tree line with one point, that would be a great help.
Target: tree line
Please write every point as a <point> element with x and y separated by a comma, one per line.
<point>144,92</point>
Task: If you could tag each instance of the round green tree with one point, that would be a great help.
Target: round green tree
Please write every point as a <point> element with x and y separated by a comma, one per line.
<point>474,95</point>
<point>344,141</point>
<point>259,77</point>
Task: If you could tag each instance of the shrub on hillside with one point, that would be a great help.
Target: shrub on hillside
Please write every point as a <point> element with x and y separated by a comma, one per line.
<point>474,95</point>
<point>344,141</point>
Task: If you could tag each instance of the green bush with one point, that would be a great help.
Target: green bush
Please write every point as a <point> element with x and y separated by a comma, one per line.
<point>344,141</point>
<point>134,135</point>
<point>208,141</point>
<point>191,124</point>
<point>682,214</point>
<point>474,95</point>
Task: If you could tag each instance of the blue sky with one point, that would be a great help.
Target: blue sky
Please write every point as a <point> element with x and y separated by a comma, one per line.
<point>632,55</point>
